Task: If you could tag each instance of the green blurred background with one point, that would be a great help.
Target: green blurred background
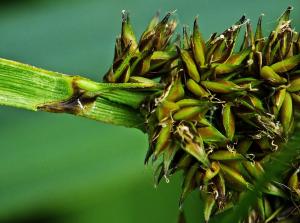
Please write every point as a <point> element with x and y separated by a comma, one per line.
<point>60,168</point>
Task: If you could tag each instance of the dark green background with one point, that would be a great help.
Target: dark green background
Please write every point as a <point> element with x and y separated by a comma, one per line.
<point>60,168</point>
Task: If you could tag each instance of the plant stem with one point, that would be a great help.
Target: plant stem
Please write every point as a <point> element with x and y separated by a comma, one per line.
<point>35,89</point>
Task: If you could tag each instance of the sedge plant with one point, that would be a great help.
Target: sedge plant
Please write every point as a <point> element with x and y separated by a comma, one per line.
<point>223,114</point>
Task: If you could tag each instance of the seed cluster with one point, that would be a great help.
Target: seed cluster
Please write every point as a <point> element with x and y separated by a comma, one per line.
<point>222,111</point>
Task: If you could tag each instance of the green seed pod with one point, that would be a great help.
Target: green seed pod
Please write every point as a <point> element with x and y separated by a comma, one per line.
<point>261,208</point>
<point>158,174</point>
<point>225,68</point>
<point>198,45</point>
<point>220,86</point>
<point>163,139</point>
<point>286,113</point>
<point>187,113</point>
<point>196,149</point>
<point>296,98</point>
<point>188,183</point>
<point>196,89</point>
<point>238,58</point>
<point>169,154</point>
<point>211,172</point>
<point>234,177</point>
<point>142,64</point>
<point>294,85</point>
<point>267,207</point>
<point>211,135</point>
<point>286,65</point>
<point>189,64</point>
<point>189,102</point>
<point>142,80</point>
<point>293,182</point>
<point>269,75</point>
<point>247,81</point>
<point>274,52</point>
<point>165,109</point>
<point>181,217</point>
<point>264,143</point>
<point>258,37</point>
<point>278,99</point>
<point>127,36</point>
<point>225,155</point>
<point>184,162</point>
<point>221,187</point>
<point>118,49</point>
<point>209,203</point>
<point>122,68</point>
<point>154,21</point>
<point>186,39</point>
<point>254,169</point>
<point>163,55</point>
<point>228,121</point>
<point>244,145</point>
<point>176,91</point>
<point>274,190</point>
<point>256,102</point>
<point>126,75</point>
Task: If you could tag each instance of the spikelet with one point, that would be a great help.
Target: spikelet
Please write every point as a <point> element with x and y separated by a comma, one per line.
<point>221,112</point>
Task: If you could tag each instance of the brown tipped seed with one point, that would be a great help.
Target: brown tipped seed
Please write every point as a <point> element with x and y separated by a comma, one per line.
<point>286,113</point>
<point>220,86</point>
<point>189,64</point>
<point>225,155</point>
<point>269,75</point>
<point>228,121</point>
<point>294,85</point>
<point>187,113</point>
<point>196,89</point>
<point>287,64</point>
<point>165,109</point>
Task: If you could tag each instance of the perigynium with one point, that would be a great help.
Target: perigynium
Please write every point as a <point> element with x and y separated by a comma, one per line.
<point>224,110</point>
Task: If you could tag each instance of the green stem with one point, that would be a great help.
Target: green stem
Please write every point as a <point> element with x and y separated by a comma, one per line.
<point>35,89</point>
